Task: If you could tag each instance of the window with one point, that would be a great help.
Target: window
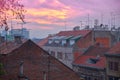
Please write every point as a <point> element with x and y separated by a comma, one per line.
<point>49,41</point>
<point>116,66</point>
<point>68,56</point>
<point>110,65</point>
<point>113,66</point>
<point>59,55</point>
<point>52,53</point>
<point>63,42</point>
<point>72,42</point>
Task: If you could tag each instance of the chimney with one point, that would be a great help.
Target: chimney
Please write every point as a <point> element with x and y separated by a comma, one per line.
<point>21,68</point>
<point>45,76</point>
<point>18,39</point>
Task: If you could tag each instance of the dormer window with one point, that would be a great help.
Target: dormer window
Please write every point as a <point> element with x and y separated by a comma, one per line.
<point>72,42</point>
<point>50,41</point>
<point>64,42</point>
<point>57,41</point>
<point>74,39</point>
<point>92,60</point>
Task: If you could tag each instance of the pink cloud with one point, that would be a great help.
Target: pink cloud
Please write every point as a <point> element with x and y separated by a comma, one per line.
<point>54,13</point>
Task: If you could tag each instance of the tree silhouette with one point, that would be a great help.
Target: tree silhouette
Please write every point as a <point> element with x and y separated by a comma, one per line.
<point>10,9</point>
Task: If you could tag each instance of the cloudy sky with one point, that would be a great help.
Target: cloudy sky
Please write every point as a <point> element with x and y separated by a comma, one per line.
<point>51,16</point>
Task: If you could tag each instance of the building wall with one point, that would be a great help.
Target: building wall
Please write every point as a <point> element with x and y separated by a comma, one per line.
<point>83,44</point>
<point>67,54</point>
<point>90,73</point>
<point>114,73</point>
<point>103,37</point>
<point>105,41</point>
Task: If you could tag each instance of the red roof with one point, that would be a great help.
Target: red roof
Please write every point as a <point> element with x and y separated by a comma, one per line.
<point>92,52</point>
<point>7,47</point>
<point>96,50</point>
<point>36,62</point>
<point>86,41</point>
<point>77,54</point>
<point>82,44</point>
<point>65,33</point>
<point>74,33</point>
<point>83,61</point>
<point>43,42</point>
<point>115,49</point>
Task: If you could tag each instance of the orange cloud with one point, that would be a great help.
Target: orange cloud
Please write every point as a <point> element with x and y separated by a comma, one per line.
<point>48,12</point>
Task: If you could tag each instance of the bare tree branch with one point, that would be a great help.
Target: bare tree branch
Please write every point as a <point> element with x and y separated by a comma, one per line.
<point>10,8</point>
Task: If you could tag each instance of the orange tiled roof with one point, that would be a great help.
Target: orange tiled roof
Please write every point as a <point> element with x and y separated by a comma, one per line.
<point>43,42</point>
<point>77,54</point>
<point>65,33</point>
<point>96,50</point>
<point>115,49</point>
<point>74,33</point>
<point>7,47</point>
<point>83,61</point>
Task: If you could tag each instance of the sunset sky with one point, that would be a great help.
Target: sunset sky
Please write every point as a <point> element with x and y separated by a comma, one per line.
<point>50,16</point>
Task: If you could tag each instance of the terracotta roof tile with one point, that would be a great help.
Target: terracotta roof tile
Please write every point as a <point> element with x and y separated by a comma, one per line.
<point>7,47</point>
<point>73,33</point>
<point>93,52</point>
<point>115,49</point>
<point>83,61</point>
<point>43,42</point>
<point>77,54</point>
<point>96,50</point>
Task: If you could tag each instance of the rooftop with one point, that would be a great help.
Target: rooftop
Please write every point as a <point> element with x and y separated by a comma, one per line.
<point>115,50</point>
<point>90,61</point>
<point>73,33</point>
<point>37,63</point>
<point>96,50</point>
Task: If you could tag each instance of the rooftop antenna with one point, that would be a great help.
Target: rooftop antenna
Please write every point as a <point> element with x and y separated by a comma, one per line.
<point>101,18</point>
<point>22,25</point>
<point>81,24</point>
<point>112,19</point>
<point>88,19</point>
<point>11,28</point>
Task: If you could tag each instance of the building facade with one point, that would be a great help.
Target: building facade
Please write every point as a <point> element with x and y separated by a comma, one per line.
<point>64,44</point>
<point>24,33</point>
<point>30,62</point>
<point>91,64</point>
<point>113,63</point>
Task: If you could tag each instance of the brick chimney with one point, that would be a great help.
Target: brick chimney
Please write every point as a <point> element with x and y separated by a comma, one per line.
<point>21,75</point>
<point>21,68</point>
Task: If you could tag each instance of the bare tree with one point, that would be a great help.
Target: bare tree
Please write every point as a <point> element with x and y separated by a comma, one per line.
<point>9,9</point>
